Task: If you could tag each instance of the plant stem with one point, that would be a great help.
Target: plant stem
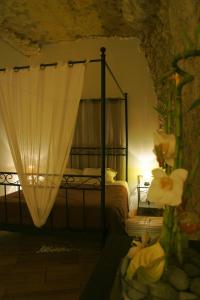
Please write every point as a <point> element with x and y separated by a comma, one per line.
<point>166,234</point>
<point>178,130</point>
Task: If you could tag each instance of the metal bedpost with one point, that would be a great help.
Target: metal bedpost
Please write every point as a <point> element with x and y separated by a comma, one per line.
<point>103,139</point>
<point>126,129</point>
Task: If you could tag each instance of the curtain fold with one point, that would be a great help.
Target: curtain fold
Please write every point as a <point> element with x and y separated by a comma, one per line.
<point>88,133</point>
<point>90,114</point>
<point>39,109</point>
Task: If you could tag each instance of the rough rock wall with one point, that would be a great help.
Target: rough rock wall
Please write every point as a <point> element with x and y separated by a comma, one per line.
<point>162,27</point>
<point>184,15</point>
<point>162,38</point>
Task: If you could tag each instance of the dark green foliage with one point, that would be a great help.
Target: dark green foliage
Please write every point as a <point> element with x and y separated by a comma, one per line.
<point>195,104</point>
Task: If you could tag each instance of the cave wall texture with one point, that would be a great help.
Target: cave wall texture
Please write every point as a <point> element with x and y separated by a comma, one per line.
<point>162,35</point>
<point>158,24</point>
<point>162,27</point>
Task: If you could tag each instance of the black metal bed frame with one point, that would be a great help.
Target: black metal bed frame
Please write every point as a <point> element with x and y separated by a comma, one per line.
<point>68,182</point>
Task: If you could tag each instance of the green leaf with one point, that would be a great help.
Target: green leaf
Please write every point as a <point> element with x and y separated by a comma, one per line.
<point>166,76</point>
<point>195,104</point>
<point>165,238</point>
<point>160,110</point>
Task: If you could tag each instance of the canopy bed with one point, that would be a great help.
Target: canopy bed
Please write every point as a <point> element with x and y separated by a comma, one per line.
<point>79,182</point>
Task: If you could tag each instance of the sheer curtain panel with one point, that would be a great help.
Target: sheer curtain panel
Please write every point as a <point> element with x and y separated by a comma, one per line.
<point>39,109</point>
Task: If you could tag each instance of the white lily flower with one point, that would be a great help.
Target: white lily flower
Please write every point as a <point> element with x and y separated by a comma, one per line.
<point>149,261</point>
<point>167,189</point>
<point>166,144</point>
<point>137,246</point>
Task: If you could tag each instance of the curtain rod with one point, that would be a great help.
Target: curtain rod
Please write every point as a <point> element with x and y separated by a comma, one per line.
<point>73,62</point>
<point>70,63</point>
<point>99,99</point>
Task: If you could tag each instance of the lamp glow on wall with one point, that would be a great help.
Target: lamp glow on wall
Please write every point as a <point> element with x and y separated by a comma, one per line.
<point>146,164</point>
<point>141,165</point>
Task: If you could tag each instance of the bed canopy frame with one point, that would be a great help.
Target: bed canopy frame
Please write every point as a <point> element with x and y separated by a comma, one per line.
<point>6,178</point>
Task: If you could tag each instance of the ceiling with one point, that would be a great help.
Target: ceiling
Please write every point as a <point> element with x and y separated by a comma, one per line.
<point>27,25</point>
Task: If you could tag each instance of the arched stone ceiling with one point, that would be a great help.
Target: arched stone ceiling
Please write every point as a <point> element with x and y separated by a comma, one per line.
<point>27,25</point>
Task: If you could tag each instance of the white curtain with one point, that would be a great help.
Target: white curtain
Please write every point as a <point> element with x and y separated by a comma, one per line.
<point>39,109</point>
<point>6,161</point>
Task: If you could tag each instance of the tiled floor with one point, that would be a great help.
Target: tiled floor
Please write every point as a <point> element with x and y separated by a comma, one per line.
<point>28,275</point>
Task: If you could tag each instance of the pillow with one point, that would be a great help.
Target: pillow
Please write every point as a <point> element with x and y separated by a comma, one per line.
<point>71,171</point>
<point>92,171</point>
<point>110,175</point>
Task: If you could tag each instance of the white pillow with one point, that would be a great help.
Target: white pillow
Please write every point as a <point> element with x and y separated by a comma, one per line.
<point>110,173</point>
<point>71,171</point>
<point>92,171</point>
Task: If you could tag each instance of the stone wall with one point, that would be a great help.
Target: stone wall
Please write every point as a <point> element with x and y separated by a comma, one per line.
<point>161,38</point>
<point>163,28</point>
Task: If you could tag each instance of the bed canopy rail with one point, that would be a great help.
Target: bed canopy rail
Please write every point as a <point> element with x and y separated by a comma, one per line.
<point>103,151</point>
<point>115,80</point>
<point>103,136</point>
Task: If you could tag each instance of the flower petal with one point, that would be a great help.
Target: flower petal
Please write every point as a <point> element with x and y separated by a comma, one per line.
<point>158,137</point>
<point>165,146</point>
<point>172,198</point>
<point>158,173</point>
<point>170,161</point>
<point>155,194</point>
<point>145,257</point>
<point>180,174</point>
<point>161,192</point>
